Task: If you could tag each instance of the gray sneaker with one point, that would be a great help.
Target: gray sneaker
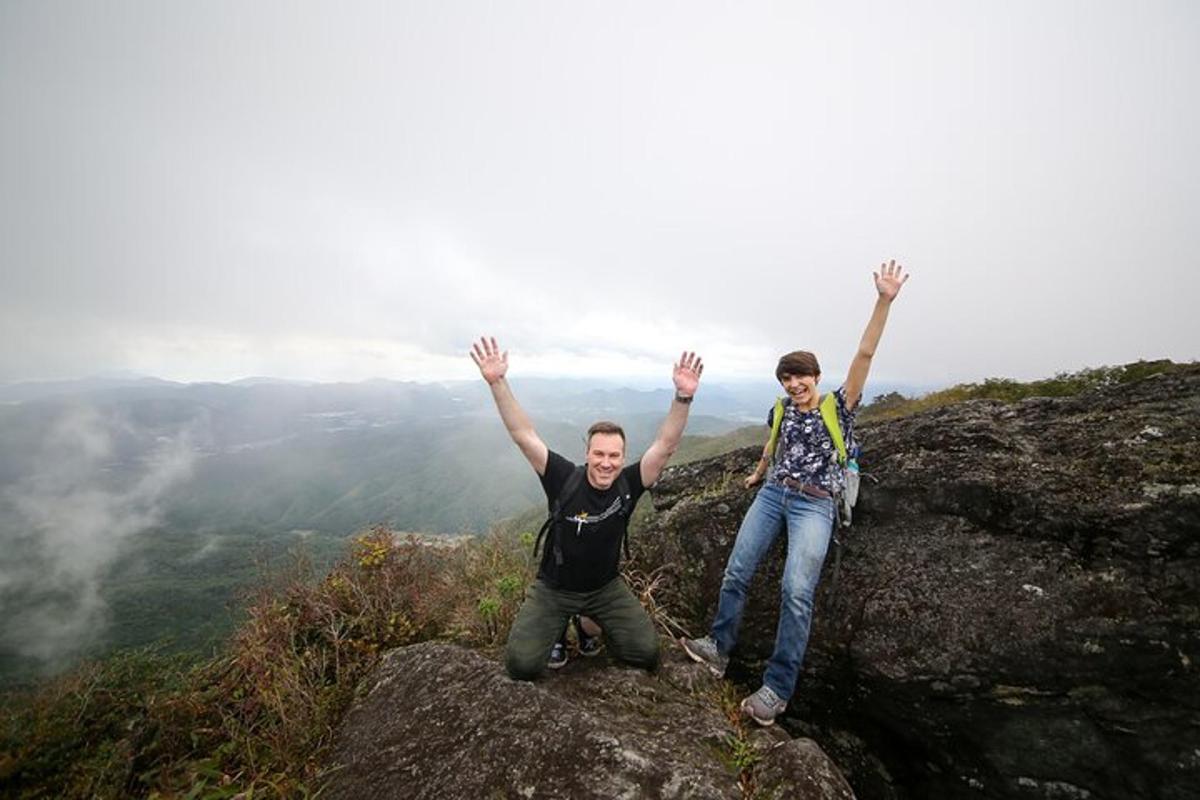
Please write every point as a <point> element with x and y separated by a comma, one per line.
<point>763,706</point>
<point>705,651</point>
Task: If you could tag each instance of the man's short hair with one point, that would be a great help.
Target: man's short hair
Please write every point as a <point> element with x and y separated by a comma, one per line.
<point>798,362</point>
<point>604,426</point>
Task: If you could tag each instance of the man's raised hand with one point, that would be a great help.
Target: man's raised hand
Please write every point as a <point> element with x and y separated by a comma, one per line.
<point>491,362</point>
<point>889,279</point>
<point>687,374</point>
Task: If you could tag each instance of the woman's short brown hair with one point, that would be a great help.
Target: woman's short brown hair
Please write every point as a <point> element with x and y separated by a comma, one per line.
<point>798,362</point>
<point>604,426</point>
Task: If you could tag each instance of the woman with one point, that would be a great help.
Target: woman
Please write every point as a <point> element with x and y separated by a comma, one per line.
<point>802,478</point>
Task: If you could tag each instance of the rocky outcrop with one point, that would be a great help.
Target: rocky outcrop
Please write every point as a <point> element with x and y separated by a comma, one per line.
<point>440,721</point>
<point>1016,612</point>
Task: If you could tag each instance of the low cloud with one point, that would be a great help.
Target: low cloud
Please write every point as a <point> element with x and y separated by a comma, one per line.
<point>210,546</point>
<point>66,524</point>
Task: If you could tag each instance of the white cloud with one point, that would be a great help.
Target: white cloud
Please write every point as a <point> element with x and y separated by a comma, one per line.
<point>65,526</point>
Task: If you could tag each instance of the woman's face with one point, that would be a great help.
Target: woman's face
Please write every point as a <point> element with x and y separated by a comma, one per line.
<point>802,389</point>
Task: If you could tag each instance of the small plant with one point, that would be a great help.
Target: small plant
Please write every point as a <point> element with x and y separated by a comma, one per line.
<point>489,610</point>
<point>371,550</point>
<point>740,753</point>
<point>743,755</point>
<point>510,586</point>
<point>489,607</point>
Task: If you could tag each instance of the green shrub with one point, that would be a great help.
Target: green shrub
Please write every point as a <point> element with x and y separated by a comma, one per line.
<point>89,733</point>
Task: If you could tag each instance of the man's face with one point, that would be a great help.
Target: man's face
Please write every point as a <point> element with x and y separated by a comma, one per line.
<point>802,389</point>
<point>605,458</point>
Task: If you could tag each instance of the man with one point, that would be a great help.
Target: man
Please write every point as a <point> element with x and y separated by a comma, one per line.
<point>578,573</point>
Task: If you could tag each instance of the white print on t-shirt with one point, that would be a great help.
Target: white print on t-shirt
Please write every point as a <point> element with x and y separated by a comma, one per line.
<point>583,518</point>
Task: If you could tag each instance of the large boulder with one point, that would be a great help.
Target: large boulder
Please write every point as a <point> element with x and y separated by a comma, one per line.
<point>1015,611</point>
<point>440,721</point>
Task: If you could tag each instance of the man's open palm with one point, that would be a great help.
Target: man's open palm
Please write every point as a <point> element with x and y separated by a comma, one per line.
<point>687,374</point>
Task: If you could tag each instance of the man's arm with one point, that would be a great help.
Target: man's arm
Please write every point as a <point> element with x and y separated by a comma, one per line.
<point>493,365</point>
<point>687,379</point>
<point>888,281</point>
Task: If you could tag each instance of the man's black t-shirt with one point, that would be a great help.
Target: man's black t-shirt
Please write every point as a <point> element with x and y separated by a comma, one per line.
<point>591,529</point>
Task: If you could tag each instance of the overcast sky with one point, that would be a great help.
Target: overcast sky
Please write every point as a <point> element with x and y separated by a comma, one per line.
<point>211,190</point>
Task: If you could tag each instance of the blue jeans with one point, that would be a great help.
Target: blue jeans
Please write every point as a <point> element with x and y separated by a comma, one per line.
<point>809,523</point>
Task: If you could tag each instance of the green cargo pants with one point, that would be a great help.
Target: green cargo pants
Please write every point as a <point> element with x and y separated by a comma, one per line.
<point>628,632</point>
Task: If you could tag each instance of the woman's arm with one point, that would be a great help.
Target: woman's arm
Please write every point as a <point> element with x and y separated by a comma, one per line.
<point>760,469</point>
<point>888,281</point>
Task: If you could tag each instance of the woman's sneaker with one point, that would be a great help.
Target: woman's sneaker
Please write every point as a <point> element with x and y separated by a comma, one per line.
<point>558,656</point>
<point>705,651</point>
<point>763,706</point>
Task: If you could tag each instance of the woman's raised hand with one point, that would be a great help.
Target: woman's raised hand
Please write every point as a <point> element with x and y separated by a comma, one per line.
<point>889,279</point>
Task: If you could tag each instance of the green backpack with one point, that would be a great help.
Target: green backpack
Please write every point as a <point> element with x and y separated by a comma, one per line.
<point>846,459</point>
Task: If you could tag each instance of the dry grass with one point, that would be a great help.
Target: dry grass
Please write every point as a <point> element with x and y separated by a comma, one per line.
<point>650,588</point>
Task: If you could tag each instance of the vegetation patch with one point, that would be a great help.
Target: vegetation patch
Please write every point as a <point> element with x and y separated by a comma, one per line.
<point>741,755</point>
<point>1065,384</point>
<point>257,720</point>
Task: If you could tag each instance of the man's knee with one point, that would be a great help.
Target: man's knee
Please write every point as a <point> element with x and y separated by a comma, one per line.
<point>641,650</point>
<point>523,663</point>
<point>646,655</point>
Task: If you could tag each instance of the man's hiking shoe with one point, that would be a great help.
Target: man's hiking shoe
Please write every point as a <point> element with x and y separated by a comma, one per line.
<point>589,643</point>
<point>558,656</point>
<point>763,706</point>
<point>705,651</point>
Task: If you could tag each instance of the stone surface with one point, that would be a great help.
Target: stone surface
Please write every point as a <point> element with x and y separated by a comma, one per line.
<point>439,721</point>
<point>1016,612</point>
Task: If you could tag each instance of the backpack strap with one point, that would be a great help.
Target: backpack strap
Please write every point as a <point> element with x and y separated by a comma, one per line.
<point>626,508</point>
<point>830,417</point>
<point>776,425</point>
<point>574,481</point>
